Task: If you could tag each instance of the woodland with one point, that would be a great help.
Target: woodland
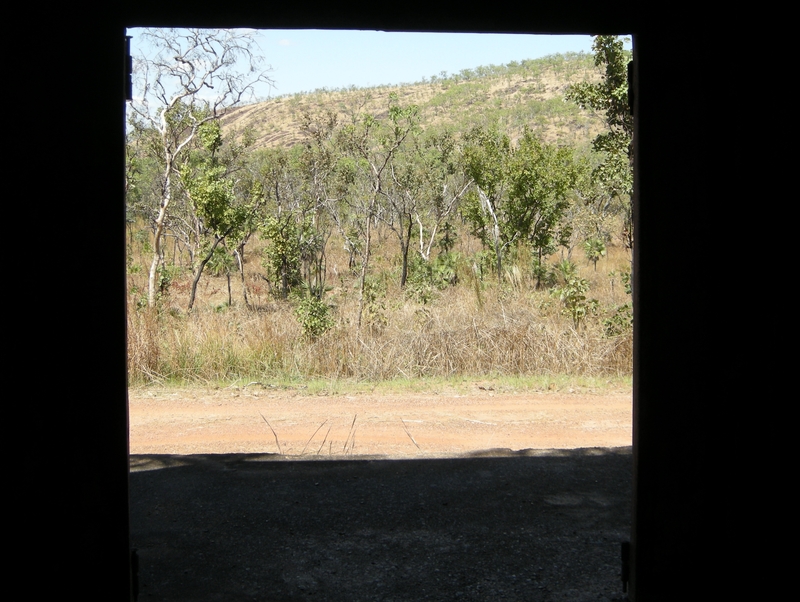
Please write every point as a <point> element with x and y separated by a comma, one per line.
<point>469,225</point>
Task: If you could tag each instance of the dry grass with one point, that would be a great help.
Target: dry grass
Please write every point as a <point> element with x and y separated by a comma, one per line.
<point>476,329</point>
<point>504,330</point>
<point>276,122</point>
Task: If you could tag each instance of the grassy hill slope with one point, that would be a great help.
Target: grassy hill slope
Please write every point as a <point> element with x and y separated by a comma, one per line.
<point>529,92</point>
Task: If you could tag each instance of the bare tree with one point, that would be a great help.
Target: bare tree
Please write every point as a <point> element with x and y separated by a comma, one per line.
<point>424,189</point>
<point>190,77</point>
<point>372,144</point>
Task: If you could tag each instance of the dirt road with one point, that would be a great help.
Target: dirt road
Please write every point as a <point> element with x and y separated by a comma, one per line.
<point>295,424</point>
<point>216,514</point>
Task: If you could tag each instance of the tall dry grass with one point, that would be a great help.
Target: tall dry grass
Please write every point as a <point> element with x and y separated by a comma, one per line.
<point>473,329</point>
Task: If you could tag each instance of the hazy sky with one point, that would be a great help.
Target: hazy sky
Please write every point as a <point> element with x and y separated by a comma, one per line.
<point>305,60</point>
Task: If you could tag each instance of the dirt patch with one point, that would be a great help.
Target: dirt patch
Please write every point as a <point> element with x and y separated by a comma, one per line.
<point>475,508</point>
<point>391,426</point>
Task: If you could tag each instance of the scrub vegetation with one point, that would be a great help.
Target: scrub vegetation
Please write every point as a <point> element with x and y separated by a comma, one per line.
<point>469,225</point>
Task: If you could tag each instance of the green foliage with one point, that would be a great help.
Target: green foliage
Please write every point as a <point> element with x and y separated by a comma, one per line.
<point>165,276</point>
<point>573,297</point>
<point>218,200</point>
<point>139,297</point>
<point>594,248</point>
<point>210,134</point>
<point>143,238</point>
<point>483,263</point>
<point>543,274</point>
<point>564,271</point>
<point>221,262</point>
<point>521,192</point>
<point>620,323</point>
<point>282,256</point>
<point>445,269</point>
<point>540,178</point>
<point>314,316</point>
<point>427,277</point>
<point>296,183</point>
<point>418,286</point>
<point>610,97</point>
<point>374,292</point>
<point>625,276</point>
<point>447,238</point>
<point>213,197</point>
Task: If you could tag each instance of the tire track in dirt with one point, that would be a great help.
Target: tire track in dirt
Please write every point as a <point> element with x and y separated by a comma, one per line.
<point>193,421</point>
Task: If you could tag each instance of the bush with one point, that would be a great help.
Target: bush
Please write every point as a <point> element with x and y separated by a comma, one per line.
<point>619,324</point>
<point>314,316</point>
<point>427,277</point>
<point>573,296</point>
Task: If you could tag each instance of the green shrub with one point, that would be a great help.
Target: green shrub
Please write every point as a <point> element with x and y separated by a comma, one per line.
<point>620,323</point>
<point>314,316</point>
<point>573,296</point>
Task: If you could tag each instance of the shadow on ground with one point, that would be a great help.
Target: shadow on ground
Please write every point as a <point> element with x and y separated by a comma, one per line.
<point>498,526</point>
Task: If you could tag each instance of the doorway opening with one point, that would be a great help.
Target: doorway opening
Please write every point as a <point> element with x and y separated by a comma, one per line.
<point>444,301</point>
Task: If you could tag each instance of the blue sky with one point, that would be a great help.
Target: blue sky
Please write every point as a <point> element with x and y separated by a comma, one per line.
<point>305,60</point>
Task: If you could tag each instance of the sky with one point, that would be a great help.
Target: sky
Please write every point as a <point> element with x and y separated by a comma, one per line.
<point>307,60</point>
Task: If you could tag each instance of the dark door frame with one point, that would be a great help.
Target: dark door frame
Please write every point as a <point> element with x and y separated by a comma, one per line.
<point>675,396</point>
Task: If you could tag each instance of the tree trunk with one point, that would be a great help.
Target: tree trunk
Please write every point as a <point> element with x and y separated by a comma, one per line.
<point>158,243</point>
<point>495,233</point>
<point>284,279</point>
<point>239,253</point>
<point>539,270</point>
<point>200,269</point>
<point>404,247</point>
<point>498,255</point>
<point>364,265</point>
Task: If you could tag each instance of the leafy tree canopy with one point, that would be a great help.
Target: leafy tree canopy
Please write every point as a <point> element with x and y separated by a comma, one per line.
<point>521,192</point>
<point>614,174</point>
<point>610,97</point>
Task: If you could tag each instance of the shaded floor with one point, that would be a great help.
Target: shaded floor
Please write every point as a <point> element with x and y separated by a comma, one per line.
<point>529,525</point>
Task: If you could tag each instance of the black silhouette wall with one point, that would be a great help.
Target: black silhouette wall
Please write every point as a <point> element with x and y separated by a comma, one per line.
<point>683,185</point>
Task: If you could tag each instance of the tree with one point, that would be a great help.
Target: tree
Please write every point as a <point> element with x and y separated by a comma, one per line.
<point>594,248</point>
<point>540,178</point>
<point>295,183</point>
<point>192,76</point>
<point>424,189</point>
<point>520,194</point>
<point>610,97</point>
<point>220,210</point>
<point>593,212</point>
<point>402,194</point>
<point>279,226</point>
<point>369,146</point>
<point>485,158</point>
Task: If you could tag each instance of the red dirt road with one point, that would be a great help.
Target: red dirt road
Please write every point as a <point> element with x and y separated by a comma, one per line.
<point>402,425</point>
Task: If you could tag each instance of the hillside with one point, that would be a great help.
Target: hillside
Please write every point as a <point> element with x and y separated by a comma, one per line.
<point>529,92</point>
